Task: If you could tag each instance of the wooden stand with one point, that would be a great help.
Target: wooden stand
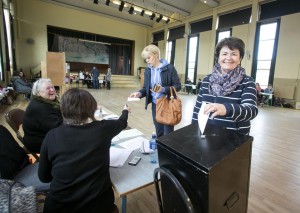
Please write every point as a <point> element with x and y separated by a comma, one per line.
<point>56,70</point>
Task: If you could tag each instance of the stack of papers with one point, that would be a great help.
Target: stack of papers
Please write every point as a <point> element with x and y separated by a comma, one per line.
<point>133,99</point>
<point>111,117</point>
<point>135,143</point>
<point>118,156</point>
<point>127,134</point>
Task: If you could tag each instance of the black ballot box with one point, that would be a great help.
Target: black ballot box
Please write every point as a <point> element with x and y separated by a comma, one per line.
<point>204,174</point>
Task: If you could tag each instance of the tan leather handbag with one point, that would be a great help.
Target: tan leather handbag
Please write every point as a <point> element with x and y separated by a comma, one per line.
<point>169,109</point>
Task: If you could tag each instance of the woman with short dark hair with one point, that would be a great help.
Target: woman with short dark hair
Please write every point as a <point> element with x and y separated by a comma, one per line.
<point>75,157</point>
<point>229,93</point>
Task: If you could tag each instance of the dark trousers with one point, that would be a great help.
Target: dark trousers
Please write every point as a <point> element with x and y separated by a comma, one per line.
<point>161,129</point>
<point>96,83</point>
<point>108,84</point>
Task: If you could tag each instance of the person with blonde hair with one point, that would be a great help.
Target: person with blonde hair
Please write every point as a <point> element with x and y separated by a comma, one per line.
<point>159,77</point>
<point>41,115</point>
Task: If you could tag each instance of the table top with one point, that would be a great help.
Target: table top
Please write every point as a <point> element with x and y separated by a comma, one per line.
<point>128,178</point>
<point>269,94</point>
<point>189,85</point>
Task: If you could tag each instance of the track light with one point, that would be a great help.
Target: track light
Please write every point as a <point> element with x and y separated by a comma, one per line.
<point>96,1</point>
<point>168,20</point>
<point>121,6</point>
<point>131,9</point>
<point>152,16</point>
<point>159,18</point>
<point>142,12</point>
<point>107,2</point>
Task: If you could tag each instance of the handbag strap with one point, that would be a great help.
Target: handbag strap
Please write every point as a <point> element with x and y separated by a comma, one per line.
<point>173,88</point>
<point>171,93</point>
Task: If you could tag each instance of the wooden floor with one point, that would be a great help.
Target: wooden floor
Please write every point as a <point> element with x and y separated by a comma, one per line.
<point>275,168</point>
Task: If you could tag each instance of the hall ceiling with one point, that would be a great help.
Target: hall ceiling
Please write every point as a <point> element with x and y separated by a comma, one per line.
<point>175,10</point>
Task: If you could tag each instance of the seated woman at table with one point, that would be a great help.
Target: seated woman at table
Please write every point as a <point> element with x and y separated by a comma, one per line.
<point>258,90</point>
<point>41,115</point>
<point>88,80</point>
<point>188,88</point>
<point>268,90</point>
<point>75,157</point>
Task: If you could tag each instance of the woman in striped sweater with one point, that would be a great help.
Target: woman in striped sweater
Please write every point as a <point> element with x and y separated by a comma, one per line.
<point>229,93</point>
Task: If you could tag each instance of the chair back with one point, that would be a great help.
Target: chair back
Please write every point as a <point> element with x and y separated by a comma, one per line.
<point>14,118</point>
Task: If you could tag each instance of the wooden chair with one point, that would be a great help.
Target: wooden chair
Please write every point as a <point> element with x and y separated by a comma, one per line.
<point>14,118</point>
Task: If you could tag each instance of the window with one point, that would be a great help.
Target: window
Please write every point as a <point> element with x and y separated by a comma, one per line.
<point>9,36</point>
<point>192,58</point>
<point>223,34</point>
<point>170,53</point>
<point>265,51</point>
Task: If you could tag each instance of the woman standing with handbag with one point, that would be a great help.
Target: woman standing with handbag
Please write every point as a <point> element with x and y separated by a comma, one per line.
<point>159,77</point>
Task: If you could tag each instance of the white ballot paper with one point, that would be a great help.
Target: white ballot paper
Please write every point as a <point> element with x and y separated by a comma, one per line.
<point>118,156</point>
<point>133,99</point>
<point>202,118</point>
<point>134,143</point>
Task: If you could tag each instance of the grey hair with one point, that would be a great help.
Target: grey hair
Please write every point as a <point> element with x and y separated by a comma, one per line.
<point>38,85</point>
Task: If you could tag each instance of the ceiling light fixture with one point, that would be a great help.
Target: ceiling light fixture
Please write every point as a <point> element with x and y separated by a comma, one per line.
<point>107,2</point>
<point>152,16</point>
<point>121,6</point>
<point>131,9</point>
<point>159,18</point>
<point>142,10</point>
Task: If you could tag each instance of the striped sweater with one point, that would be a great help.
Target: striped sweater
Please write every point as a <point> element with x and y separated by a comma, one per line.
<point>241,105</point>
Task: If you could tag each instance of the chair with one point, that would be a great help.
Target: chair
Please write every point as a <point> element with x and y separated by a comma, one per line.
<point>14,118</point>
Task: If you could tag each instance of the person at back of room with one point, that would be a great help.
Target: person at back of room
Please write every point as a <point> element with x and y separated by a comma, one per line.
<point>75,157</point>
<point>20,85</point>
<point>95,75</point>
<point>108,78</point>
<point>41,115</point>
<point>159,77</point>
<point>268,90</point>
<point>229,93</point>
<point>88,80</point>
<point>189,88</point>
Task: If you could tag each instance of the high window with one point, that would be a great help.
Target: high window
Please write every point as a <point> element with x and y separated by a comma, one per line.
<point>192,57</point>
<point>265,54</point>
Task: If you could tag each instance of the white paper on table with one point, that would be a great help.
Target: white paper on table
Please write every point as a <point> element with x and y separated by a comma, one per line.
<point>134,143</point>
<point>202,118</point>
<point>115,139</point>
<point>97,112</point>
<point>118,156</point>
<point>133,99</point>
<point>111,117</point>
<point>129,133</point>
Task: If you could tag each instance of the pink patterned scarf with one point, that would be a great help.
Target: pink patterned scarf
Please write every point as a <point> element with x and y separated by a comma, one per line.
<point>224,84</point>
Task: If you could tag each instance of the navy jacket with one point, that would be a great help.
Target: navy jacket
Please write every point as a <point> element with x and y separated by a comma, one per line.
<point>169,77</point>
